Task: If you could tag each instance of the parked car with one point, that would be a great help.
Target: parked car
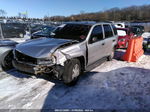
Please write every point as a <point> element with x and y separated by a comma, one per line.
<point>13,30</point>
<point>45,31</point>
<point>72,49</point>
<point>6,54</point>
<point>125,35</point>
<point>136,31</point>
<point>146,43</point>
<point>7,44</point>
<point>119,24</point>
<point>141,28</point>
<point>35,27</point>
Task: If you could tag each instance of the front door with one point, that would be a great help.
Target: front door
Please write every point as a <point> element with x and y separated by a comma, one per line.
<point>96,45</point>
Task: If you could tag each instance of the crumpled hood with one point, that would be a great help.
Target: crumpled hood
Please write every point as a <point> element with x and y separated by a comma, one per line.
<point>40,48</point>
<point>7,43</point>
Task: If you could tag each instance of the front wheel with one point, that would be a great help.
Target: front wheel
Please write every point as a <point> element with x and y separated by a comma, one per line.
<point>71,72</point>
<point>6,63</point>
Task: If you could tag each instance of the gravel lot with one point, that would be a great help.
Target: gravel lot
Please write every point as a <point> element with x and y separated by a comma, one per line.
<point>112,85</point>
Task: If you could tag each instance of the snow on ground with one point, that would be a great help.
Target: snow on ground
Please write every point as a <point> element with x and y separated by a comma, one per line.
<point>112,85</point>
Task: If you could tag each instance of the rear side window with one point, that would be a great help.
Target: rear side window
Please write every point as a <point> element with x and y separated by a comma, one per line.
<point>108,31</point>
<point>115,29</point>
<point>97,34</point>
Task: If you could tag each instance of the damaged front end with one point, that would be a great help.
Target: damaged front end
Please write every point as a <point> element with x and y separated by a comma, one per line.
<point>53,64</point>
<point>43,56</point>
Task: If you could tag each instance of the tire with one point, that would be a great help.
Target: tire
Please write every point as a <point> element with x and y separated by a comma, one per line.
<point>111,56</point>
<point>72,72</point>
<point>6,63</point>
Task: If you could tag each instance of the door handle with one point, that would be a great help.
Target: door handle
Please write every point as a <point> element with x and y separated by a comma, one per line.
<point>103,43</point>
<point>114,40</point>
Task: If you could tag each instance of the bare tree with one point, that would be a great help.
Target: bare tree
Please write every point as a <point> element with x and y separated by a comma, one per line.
<point>2,12</point>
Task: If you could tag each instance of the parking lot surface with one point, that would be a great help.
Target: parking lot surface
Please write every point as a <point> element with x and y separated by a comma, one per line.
<point>112,85</point>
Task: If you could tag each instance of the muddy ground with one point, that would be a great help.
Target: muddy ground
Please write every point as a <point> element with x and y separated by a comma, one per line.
<point>112,85</point>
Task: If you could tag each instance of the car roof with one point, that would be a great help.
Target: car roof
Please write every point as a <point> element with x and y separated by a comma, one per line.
<point>138,26</point>
<point>87,23</point>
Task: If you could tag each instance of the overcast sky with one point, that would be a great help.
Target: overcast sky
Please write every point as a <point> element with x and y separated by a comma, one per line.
<point>40,8</point>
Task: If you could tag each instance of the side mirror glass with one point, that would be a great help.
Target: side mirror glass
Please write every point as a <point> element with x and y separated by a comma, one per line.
<point>94,39</point>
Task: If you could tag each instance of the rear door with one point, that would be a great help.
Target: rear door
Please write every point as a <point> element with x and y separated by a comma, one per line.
<point>96,45</point>
<point>110,39</point>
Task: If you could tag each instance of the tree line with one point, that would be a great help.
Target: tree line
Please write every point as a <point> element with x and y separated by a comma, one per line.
<point>132,13</point>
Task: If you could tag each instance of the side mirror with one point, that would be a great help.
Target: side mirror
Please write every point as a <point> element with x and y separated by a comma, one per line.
<point>94,39</point>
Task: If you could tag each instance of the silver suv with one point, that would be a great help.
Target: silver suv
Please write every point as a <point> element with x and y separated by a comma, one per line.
<point>71,49</point>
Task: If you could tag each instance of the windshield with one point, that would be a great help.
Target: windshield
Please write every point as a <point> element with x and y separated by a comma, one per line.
<point>136,30</point>
<point>72,31</point>
<point>47,30</point>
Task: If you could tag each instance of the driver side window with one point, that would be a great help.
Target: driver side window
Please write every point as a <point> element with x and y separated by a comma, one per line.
<point>96,35</point>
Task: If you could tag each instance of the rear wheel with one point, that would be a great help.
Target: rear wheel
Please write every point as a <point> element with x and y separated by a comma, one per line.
<point>111,56</point>
<point>71,72</point>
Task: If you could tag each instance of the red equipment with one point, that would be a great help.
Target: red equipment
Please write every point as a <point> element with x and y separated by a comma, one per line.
<point>124,35</point>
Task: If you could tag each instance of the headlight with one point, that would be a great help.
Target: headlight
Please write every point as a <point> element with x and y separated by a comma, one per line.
<point>51,60</point>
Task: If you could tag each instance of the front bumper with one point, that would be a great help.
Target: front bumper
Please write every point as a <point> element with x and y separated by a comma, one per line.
<point>38,69</point>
